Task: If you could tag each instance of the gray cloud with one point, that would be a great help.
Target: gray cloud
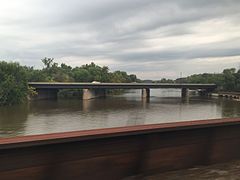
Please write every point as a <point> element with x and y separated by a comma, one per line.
<point>137,36</point>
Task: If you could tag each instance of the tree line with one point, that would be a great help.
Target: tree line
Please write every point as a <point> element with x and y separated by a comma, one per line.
<point>53,72</point>
<point>228,80</point>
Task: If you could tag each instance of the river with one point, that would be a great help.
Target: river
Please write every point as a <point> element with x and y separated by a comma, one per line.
<point>128,109</point>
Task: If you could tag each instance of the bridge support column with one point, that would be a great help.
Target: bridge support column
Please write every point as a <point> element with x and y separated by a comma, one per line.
<point>185,92</point>
<point>93,93</point>
<point>45,94</point>
<point>146,93</point>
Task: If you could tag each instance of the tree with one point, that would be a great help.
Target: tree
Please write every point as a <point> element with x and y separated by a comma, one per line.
<point>13,83</point>
<point>237,79</point>
<point>229,79</point>
<point>48,62</point>
<point>133,78</point>
<point>81,75</point>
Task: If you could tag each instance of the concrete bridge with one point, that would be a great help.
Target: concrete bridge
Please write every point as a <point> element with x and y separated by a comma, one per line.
<point>48,90</point>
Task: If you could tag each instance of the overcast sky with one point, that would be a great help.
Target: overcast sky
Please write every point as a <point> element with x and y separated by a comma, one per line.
<point>150,38</point>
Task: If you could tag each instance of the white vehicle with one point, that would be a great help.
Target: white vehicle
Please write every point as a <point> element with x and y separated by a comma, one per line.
<point>96,82</point>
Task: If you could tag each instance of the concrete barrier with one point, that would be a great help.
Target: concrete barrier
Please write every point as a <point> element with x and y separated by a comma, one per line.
<point>118,153</point>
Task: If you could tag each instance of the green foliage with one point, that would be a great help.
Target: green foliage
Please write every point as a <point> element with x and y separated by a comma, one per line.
<point>164,80</point>
<point>52,72</point>
<point>13,83</point>
<point>85,73</point>
<point>118,77</point>
<point>81,75</point>
<point>48,62</point>
<point>228,80</point>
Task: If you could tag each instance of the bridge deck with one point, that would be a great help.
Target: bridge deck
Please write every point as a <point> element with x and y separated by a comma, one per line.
<point>58,85</point>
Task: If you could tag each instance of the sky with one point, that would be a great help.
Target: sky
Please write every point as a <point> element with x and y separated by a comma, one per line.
<point>153,39</point>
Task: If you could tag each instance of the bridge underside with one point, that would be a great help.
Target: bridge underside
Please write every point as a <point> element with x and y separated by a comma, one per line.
<point>45,94</point>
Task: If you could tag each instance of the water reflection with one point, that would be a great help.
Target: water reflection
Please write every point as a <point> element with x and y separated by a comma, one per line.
<point>40,117</point>
<point>229,108</point>
<point>145,103</point>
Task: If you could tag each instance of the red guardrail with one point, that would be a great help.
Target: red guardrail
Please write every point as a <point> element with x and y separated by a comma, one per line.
<point>117,153</point>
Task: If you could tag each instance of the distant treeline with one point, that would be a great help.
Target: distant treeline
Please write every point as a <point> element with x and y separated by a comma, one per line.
<point>14,77</point>
<point>228,80</point>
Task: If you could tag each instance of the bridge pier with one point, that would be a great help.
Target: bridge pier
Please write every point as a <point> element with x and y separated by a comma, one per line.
<point>45,94</point>
<point>146,93</point>
<point>93,93</point>
<point>185,92</point>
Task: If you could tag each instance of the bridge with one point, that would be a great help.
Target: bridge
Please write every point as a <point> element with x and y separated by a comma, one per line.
<point>48,90</point>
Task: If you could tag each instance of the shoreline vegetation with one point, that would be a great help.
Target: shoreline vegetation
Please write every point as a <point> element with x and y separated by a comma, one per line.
<point>14,78</point>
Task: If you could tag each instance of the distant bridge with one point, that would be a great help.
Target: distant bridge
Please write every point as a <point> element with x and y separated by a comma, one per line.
<point>92,90</point>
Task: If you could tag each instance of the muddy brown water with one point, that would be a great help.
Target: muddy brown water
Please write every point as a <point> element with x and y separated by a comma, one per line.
<point>62,115</point>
